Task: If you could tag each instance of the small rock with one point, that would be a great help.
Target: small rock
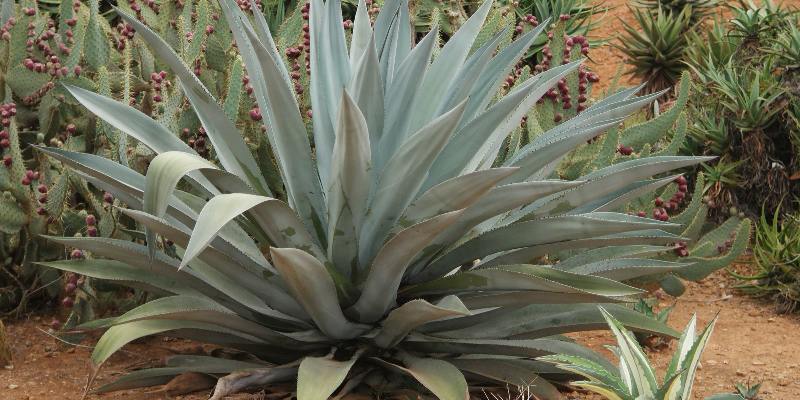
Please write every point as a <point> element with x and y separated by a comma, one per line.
<point>759,363</point>
<point>13,386</point>
<point>740,373</point>
<point>9,367</point>
<point>783,382</point>
<point>771,320</point>
<point>754,313</point>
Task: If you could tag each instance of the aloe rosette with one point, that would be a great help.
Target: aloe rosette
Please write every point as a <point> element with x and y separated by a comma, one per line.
<point>400,248</point>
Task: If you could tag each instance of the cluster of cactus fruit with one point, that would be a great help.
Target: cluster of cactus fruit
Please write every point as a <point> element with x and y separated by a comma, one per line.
<point>41,49</point>
<point>663,208</point>
<point>75,44</point>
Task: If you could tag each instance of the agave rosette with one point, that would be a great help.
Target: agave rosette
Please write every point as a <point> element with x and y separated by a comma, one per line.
<point>402,249</point>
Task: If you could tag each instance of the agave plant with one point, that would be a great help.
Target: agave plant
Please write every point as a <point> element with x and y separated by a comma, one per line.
<point>662,135</point>
<point>635,379</point>
<point>400,249</point>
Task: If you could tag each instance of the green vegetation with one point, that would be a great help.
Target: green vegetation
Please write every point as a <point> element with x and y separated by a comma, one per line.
<point>366,260</point>
<point>635,378</point>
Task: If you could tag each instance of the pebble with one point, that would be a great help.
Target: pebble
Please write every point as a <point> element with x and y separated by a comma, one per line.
<point>771,320</point>
<point>759,363</point>
<point>13,386</point>
<point>740,373</point>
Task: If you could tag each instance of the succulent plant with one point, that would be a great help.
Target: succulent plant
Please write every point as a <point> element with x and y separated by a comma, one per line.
<point>636,378</point>
<point>399,247</point>
<point>667,199</point>
<point>655,46</point>
<point>777,241</point>
<point>38,199</point>
<point>646,307</point>
<point>753,21</point>
<point>44,45</point>
<point>696,9</point>
<point>787,48</point>
<point>743,107</point>
<point>579,17</point>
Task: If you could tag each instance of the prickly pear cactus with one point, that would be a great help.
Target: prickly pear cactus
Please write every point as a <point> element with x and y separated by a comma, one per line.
<point>47,45</point>
<point>569,97</point>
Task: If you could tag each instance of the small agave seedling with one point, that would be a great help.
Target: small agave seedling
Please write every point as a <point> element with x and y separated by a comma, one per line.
<point>402,251</point>
<point>635,379</point>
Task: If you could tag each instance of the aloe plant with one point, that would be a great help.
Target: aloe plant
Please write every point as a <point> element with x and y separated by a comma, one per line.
<point>635,379</point>
<point>775,252</point>
<point>655,46</point>
<point>400,249</point>
<point>743,107</point>
<point>697,9</point>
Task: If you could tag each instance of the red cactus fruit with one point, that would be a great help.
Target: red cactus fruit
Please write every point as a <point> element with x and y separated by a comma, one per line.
<point>68,302</point>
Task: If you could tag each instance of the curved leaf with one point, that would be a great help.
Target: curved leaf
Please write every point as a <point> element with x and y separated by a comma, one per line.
<point>443,379</point>
<point>404,319</point>
<point>541,231</point>
<point>229,145</point>
<point>319,377</point>
<point>402,178</point>
<point>310,284</point>
<point>349,186</point>
<point>385,274</point>
<point>278,220</point>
